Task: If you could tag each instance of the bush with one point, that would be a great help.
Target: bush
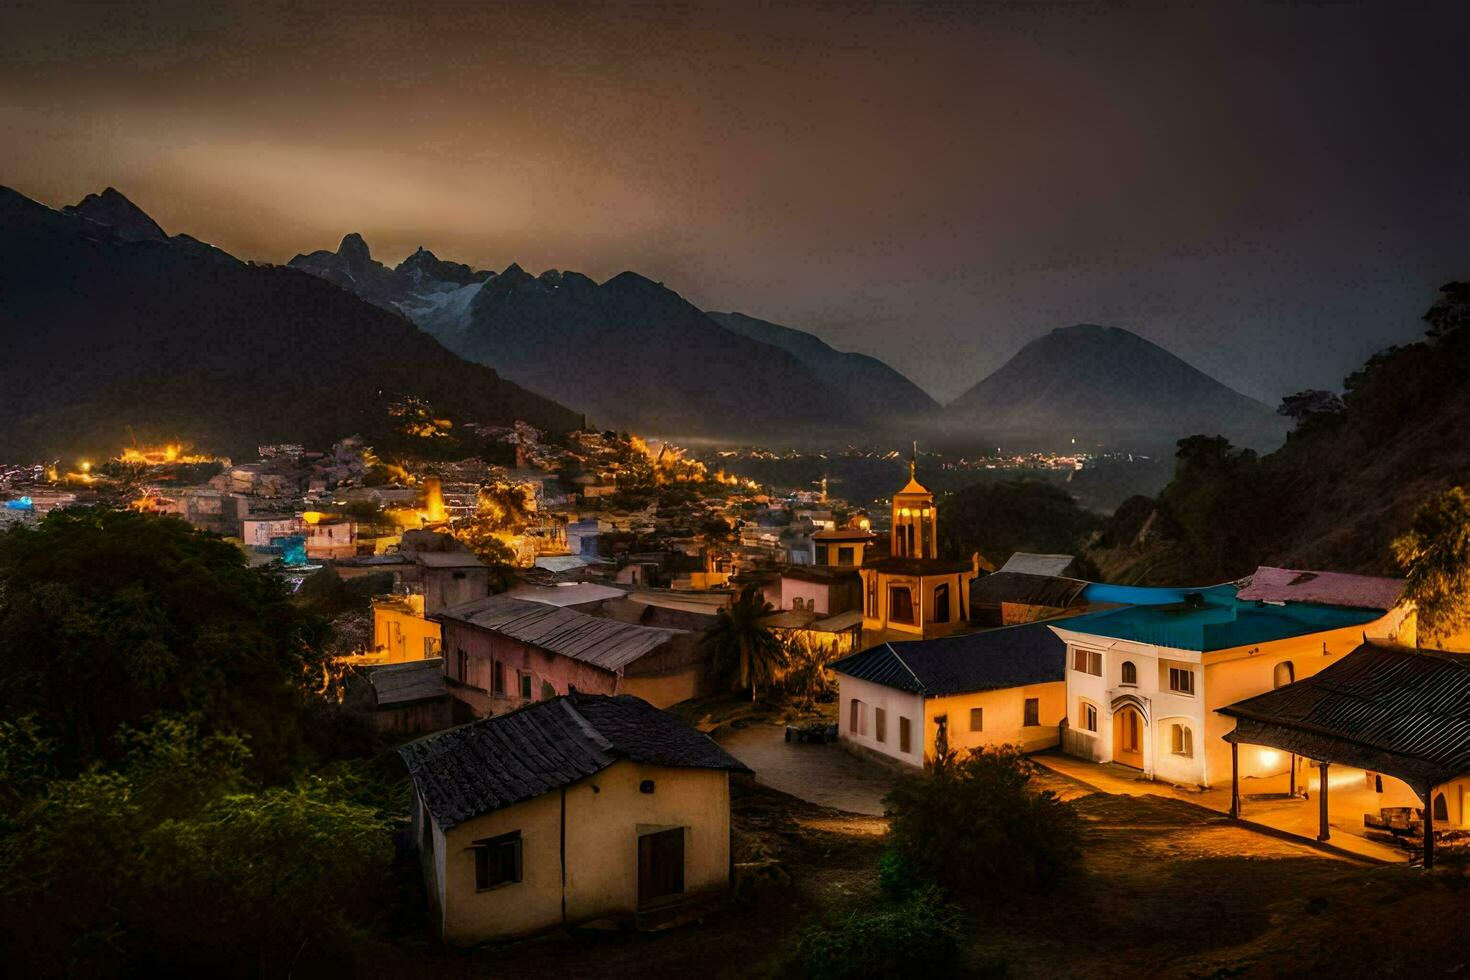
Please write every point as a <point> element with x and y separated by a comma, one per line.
<point>974,825</point>
<point>912,937</point>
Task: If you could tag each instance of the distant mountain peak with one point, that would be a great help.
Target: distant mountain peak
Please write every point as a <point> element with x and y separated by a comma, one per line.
<point>354,248</point>
<point>1108,382</point>
<point>112,209</point>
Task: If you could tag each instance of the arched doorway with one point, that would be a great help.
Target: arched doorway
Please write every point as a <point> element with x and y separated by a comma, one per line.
<point>1128,736</point>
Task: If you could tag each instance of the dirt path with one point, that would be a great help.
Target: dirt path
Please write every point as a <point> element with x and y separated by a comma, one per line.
<point>820,773</point>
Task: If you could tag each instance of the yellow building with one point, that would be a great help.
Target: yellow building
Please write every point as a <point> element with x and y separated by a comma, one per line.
<point>400,631</point>
<point>583,809</point>
<point>913,593</point>
<point>902,700</point>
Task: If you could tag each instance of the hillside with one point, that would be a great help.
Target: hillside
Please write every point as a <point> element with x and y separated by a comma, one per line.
<point>1346,482</point>
<point>1105,383</point>
<point>872,387</point>
<point>105,330</point>
<point>631,352</point>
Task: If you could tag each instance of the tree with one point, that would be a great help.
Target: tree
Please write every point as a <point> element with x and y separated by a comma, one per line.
<point>1304,406</point>
<point>108,618</point>
<point>807,679</point>
<point>1435,556</point>
<point>743,645</point>
<point>1002,517</point>
<point>974,825</point>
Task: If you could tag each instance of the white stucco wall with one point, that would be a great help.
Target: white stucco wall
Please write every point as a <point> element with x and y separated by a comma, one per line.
<point>895,705</point>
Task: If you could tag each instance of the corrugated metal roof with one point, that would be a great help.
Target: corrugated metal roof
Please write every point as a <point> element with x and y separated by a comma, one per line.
<point>1022,587</point>
<point>1388,709</point>
<point>1330,588</point>
<point>566,594</point>
<point>1013,656</point>
<point>605,643</point>
<point>486,765</point>
<point>397,684</point>
<point>447,559</point>
<point>1033,564</point>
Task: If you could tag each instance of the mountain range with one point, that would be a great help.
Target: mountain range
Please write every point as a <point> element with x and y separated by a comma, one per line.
<point>633,353</point>
<point>109,324</point>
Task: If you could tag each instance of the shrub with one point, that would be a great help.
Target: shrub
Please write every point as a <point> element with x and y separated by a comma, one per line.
<point>973,824</point>
<point>912,937</point>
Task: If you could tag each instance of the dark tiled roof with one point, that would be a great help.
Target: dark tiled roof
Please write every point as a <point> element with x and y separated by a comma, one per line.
<point>485,765</point>
<point>1025,588</point>
<point>1010,657</point>
<point>917,566</point>
<point>1386,709</point>
<point>821,574</point>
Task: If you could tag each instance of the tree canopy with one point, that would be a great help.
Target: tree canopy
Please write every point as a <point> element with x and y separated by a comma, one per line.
<point>1435,556</point>
<point>108,618</point>
<point>1000,518</point>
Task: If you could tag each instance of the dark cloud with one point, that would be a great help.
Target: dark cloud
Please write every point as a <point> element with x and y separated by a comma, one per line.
<point>1272,191</point>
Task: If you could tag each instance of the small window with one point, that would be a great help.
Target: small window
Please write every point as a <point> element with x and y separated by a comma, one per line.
<point>855,716</point>
<point>880,724</point>
<point>873,598</point>
<point>498,861</point>
<point>525,687</point>
<point>844,556</point>
<point>1182,741</point>
<point>1130,673</point>
<point>1089,718</point>
<point>1087,662</point>
<point>941,604</point>
<point>977,719</point>
<point>900,605</point>
<point>1033,712</point>
<point>1181,680</point>
<point>463,665</point>
<point>499,672</point>
<point>904,736</point>
<point>1285,674</point>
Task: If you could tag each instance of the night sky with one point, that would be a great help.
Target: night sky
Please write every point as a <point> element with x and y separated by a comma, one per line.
<point>1271,191</point>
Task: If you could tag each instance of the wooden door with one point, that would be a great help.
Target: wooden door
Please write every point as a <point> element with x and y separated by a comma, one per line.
<point>660,866</point>
<point>1128,737</point>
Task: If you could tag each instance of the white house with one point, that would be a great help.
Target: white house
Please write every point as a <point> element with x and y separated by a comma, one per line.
<point>1002,687</point>
<point>1144,681</point>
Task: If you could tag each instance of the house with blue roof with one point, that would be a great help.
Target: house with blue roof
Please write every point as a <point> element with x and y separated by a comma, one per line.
<point>902,700</point>
<point>1143,681</point>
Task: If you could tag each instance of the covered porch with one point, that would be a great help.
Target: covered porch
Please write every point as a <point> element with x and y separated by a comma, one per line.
<point>1387,712</point>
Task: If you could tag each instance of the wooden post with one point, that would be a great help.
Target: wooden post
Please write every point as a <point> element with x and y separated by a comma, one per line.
<point>1428,828</point>
<point>1292,792</point>
<point>1323,833</point>
<point>1234,781</point>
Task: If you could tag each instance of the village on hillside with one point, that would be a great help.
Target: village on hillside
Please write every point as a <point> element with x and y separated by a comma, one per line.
<point>603,664</point>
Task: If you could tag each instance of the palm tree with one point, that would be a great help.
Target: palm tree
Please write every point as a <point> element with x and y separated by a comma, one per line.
<point>740,640</point>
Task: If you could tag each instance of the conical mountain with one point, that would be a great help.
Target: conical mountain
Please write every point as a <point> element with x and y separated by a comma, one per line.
<point>1107,383</point>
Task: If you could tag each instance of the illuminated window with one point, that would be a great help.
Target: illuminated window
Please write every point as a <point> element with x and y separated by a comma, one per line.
<point>977,719</point>
<point>1181,680</point>
<point>1182,741</point>
<point>1032,712</point>
<point>1285,674</point>
<point>1087,662</point>
<point>1089,717</point>
<point>1130,673</point>
<point>880,724</point>
<point>497,861</point>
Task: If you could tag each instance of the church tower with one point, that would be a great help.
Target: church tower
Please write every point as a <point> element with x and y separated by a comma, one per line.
<point>915,519</point>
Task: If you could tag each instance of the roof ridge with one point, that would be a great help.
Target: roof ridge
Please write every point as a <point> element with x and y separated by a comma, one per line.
<point>923,688</point>
<point>591,732</point>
